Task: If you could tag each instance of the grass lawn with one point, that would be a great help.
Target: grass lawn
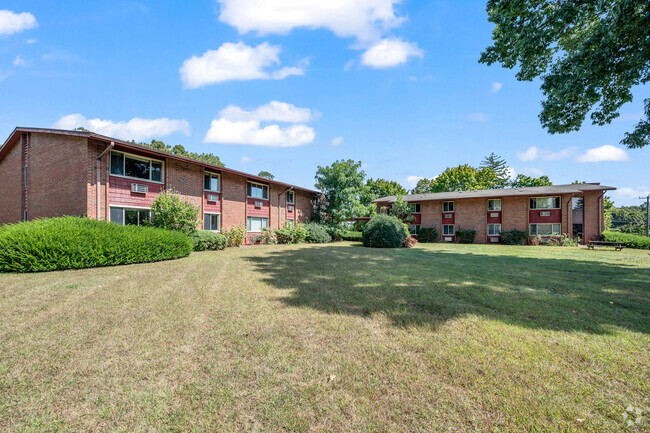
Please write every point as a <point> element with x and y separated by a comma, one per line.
<point>332,338</point>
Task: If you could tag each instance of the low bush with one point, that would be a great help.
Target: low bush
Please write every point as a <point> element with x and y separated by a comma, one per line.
<point>204,240</point>
<point>427,234</point>
<point>534,240</point>
<point>629,240</point>
<point>335,232</point>
<point>236,236</point>
<point>284,236</point>
<point>514,237</point>
<point>317,234</point>
<point>74,243</point>
<point>409,242</point>
<point>384,231</point>
<point>299,233</point>
<point>351,236</point>
<point>465,236</point>
<point>268,237</point>
<point>562,241</point>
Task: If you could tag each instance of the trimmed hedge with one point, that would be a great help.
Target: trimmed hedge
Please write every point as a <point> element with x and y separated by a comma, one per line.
<point>514,237</point>
<point>352,236</point>
<point>427,234</point>
<point>75,243</point>
<point>384,231</point>
<point>204,240</point>
<point>317,234</point>
<point>465,236</point>
<point>629,240</point>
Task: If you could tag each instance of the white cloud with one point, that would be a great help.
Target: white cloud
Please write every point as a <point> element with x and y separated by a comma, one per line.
<point>533,153</point>
<point>5,75</point>
<point>530,154</point>
<point>631,192</point>
<point>390,52</point>
<point>604,153</point>
<point>511,172</point>
<point>478,117</point>
<point>11,22</point>
<point>562,154</point>
<point>235,62</point>
<point>364,19</point>
<point>337,141</point>
<point>135,129</point>
<point>245,160</point>
<point>532,171</point>
<point>31,41</point>
<point>19,61</point>
<point>496,86</point>
<point>413,180</point>
<point>273,111</point>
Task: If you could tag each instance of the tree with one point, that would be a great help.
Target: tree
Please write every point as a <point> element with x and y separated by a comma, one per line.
<point>424,186</point>
<point>499,167</point>
<point>179,150</point>
<point>401,209</point>
<point>461,178</point>
<point>342,183</point>
<point>522,181</point>
<point>81,129</point>
<point>588,54</point>
<point>266,174</point>
<point>383,188</point>
<point>170,211</point>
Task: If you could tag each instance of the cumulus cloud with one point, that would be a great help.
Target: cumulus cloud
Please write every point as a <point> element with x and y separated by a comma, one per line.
<point>631,192</point>
<point>478,117</point>
<point>236,62</point>
<point>604,153</point>
<point>511,172</point>
<point>529,154</point>
<point>496,86</point>
<point>135,129</point>
<point>11,22</point>
<point>412,181</point>
<point>532,171</point>
<point>337,141</point>
<point>245,159</point>
<point>390,52</point>
<point>533,153</point>
<point>238,126</point>
<point>19,61</point>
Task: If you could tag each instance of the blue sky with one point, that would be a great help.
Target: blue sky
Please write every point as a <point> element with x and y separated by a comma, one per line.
<point>395,85</point>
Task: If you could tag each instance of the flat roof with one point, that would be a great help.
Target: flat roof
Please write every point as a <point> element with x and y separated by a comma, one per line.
<point>13,138</point>
<point>500,192</point>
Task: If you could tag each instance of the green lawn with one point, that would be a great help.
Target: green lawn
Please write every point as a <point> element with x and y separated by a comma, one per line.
<point>332,338</point>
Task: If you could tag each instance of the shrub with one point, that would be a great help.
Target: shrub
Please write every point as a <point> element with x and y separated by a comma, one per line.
<point>206,240</point>
<point>409,242</point>
<point>427,234</point>
<point>534,240</point>
<point>351,236</point>
<point>299,233</point>
<point>514,237</point>
<point>284,236</point>
<point>267,237</point>
<point>335,232</point>
<point>317,234</point>
<point>384,231</point>
<point>236,236</point>
<point>465,236</point>
<point>74,243</point>
<point>169,211</point>
<point>629,240</point>
<point>562,241</point>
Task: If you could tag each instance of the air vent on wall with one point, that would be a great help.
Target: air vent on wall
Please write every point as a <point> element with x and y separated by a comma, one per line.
<point>213,197</point>
<point>545,213</point>
<point>494,214</point>
<point>494,239</point>
<point>139,188</point>
<point>448,216</point>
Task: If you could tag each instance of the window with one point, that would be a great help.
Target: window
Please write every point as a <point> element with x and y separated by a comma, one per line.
<point>448,229</point>
<point>545,203</point>
<point>494,204</point>
<point>126,165</point>
<point>126,216</point>
<point>211,182</point>
<point>290,197</point>
<point>212,221</point>
<point>545,229</point>
<point>414,230</point>
<point>257,190</point>
<point>289,209</point>
<point>447,206</point>
<point>415,207</point>
<point>494,229</point>
<point>256,224</point>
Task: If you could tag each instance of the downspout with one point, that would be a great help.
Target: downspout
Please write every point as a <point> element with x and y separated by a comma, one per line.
<point>601,214</point>
<point>278,212</point>
<point>98,165</point>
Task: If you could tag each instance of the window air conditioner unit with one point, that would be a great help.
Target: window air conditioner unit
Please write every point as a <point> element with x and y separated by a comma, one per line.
<point>494,239</point>
<point>448,216</point>
<point>494,214</point>
<point>213,197</point>
<point>258,204</point>
<point>290,208</point>
<point>139,188</point>
<point>545,213</point>
<point>448,239</point>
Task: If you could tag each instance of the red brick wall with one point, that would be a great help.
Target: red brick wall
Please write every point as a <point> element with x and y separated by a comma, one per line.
<point>279,214</point>
<point>470,215</point>
<point>11,186</point>
<point>95,148</point>
<point>233,189</point>
<point>594,220</point>
<point>186,179</point>
<point>514,214</point>
<point>304,208</point>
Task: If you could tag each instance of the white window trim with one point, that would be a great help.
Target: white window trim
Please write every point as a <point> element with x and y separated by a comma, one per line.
<point>217,175</point>
<point>448,211</point>
<point>494,210</point>
<point>453,226</point>
<point>141,158</point>
<point>124,208</point>
<point>262,218</point>
<point>212,213</point>
<point>495,224</point>
<point>268,189</point>
<point>545,208</point>
<point>416,204</point>
<point>293,197</point>
<point>558,233</point>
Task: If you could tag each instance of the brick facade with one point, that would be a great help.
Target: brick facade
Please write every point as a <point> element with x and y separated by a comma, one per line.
<point>11,186</point>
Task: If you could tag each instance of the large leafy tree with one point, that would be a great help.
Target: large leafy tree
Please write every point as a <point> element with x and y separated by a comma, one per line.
<point>588,54</point>
<point>461,178</point>
<point>179,150</point>
<point>382,188</point>
<point>343,184</point>
<point>500,168</point>
<point>266,174</point>
<point>522,181</point>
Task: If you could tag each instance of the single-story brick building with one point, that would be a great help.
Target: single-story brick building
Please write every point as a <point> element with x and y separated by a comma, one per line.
<point>575,210</point>
<point>50,173</point>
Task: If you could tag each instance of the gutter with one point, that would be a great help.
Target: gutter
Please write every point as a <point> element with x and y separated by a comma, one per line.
<point>98,165</point>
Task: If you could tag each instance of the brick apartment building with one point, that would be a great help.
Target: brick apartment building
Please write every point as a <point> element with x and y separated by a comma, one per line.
<point>50,173</point>
<point>575,210</point>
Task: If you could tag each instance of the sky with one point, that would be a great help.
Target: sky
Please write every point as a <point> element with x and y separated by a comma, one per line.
<point>287,86</point>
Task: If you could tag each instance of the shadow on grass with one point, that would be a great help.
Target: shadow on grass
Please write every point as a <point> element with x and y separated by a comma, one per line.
<point>423,287</point>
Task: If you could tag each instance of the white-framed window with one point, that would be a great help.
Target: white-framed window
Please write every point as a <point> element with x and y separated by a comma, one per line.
<point>447,206</point>
<point>211,182</point>
<point>545,229</point>
<point>290,197</point>
<point>494,229</point>
<point>136,167</point>
<point>415,207</point>
<point>256,224</point>
<point>494,204</point>
<point>129,216</point>
<point>212,222</point>
<point>258,190</point>
<point>545,202</point>
<point>414,230</point>
<point>448,229</point>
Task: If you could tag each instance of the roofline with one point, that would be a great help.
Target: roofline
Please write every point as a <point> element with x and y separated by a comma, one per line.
<point>13,137</point>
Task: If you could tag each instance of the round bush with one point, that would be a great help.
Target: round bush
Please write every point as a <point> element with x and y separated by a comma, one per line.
<point>74,243</point>
<point>384,231</point>
<point>317,234</point>
<point>427,234</point>
<point>206,240</point>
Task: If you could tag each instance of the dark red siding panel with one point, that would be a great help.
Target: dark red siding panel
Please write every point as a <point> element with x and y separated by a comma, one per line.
<point>119,190</point>
<point>555,216</point>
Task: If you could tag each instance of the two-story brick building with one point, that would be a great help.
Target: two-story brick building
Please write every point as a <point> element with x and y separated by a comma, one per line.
<point>575,210</point>
<point>50,173</point>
